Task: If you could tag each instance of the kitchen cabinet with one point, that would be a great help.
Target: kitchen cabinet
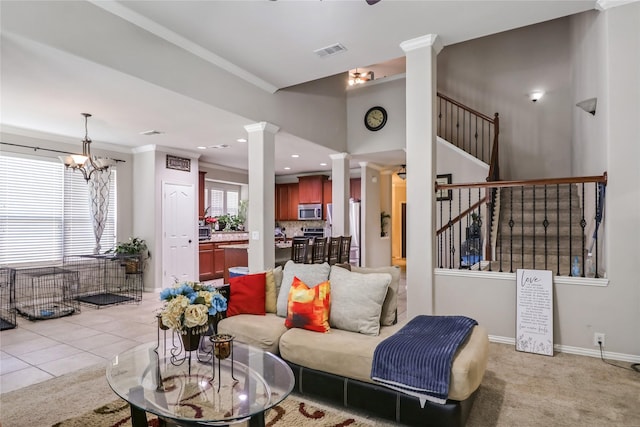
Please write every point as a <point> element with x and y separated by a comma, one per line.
<point>327,189</point>
<point>311,189</point>
<point>354,189</point>
<point>286,202</point>
<point>205,256</point>
<point>211,258</point>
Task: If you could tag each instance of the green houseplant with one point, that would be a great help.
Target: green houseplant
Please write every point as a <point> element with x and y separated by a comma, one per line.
<point>133,246</point>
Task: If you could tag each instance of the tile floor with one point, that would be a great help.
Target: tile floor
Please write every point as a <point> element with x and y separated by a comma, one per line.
<point>36,351</point>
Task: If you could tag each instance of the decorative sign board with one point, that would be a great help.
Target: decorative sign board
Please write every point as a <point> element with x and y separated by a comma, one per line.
<point>534,317</point>
<point>179,163</point>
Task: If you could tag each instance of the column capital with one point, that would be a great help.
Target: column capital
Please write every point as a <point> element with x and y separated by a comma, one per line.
<point>262,126</point>
<point>339,156</point>
<point>432,40</point>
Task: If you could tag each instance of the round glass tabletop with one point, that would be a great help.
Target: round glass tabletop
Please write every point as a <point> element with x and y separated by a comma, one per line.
<point>166,383</point>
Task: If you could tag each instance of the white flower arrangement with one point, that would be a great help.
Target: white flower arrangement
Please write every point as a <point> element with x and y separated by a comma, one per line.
<point>189,305</point>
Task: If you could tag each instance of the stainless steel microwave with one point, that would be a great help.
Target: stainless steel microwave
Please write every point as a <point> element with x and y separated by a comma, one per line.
<point>310,212</point>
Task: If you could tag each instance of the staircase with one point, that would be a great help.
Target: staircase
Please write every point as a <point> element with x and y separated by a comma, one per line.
<point>523,241</point>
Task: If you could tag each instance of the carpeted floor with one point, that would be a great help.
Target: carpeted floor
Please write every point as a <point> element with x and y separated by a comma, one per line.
<point>519,389</point>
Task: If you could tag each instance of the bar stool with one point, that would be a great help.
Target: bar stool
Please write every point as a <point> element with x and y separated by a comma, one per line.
<point>345,249</point>
<point>319,250</point>
<point>299,247</point>
<point>334,250</point>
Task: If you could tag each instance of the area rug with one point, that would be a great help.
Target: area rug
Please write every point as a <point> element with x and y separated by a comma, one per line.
<point>291,412</point>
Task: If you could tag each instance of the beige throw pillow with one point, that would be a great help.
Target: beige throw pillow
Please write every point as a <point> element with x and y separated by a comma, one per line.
<point>356,300</point>
<point>273,281</point>
<point>390,306</point>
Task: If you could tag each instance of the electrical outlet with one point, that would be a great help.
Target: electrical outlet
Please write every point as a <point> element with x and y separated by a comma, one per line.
<point>598,338</point>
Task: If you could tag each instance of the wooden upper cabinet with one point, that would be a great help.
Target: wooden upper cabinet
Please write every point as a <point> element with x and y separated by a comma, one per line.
<point>327,190</point>
<point>286,202</point>
<point>201,190</point>
<point>354,189</point>
<point>311,188</point>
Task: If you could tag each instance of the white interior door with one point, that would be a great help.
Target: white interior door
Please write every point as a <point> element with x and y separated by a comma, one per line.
<point>179,227</point>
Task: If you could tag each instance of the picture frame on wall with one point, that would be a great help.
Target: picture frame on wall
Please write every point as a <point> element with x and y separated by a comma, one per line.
<point>443,195</point>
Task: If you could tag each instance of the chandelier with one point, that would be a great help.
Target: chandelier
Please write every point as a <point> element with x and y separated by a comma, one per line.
<point>359,78</point>
<point>402,172</point>
<point>85,162</point>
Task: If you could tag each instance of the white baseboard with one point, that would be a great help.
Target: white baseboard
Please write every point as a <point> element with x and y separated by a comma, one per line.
<point>575,350</point>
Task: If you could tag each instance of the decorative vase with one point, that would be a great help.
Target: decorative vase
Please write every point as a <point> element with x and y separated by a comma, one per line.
<point>131,266</point>
<point>222,345</point>
<point>190,340</point>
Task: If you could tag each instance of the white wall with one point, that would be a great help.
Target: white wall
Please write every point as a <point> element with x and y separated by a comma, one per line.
<point>391,96</point>
<point>495,73</point>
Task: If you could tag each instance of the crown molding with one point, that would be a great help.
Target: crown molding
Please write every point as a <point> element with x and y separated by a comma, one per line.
<point>432,40</point>
<point>262,126</point>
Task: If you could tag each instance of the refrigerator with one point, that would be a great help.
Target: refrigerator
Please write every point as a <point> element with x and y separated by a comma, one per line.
<point>354,229</point>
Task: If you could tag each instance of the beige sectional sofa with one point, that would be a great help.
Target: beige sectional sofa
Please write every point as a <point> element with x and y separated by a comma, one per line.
<point>336,365</point>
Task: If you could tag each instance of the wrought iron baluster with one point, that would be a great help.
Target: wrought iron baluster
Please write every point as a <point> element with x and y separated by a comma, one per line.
<point>558,229</point>
<point>598,219</point>
<point>511,223</point>
<point>522,226</point>
<point>475,136</point>
<point>501,236</point>
<point>450,233</point>
<point>440,254</point>
<point>545,224</point>
<point>534,227</point>
<point>583,223</point>
<point>570,225</point>
<point>460,227</point>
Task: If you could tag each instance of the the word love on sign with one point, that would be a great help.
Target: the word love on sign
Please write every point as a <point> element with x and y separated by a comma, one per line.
<point>534,317</point>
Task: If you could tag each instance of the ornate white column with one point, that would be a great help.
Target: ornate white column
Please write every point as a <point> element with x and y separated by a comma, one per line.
<point>340,193</point>
<point>421,91</point>
<point>261,212</point>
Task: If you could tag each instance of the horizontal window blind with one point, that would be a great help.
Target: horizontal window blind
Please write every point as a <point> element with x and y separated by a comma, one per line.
<point>38,224</point>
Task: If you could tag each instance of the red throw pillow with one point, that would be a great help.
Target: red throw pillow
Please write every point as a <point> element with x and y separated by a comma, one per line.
<point>247,294</point>
<point>308,308</point>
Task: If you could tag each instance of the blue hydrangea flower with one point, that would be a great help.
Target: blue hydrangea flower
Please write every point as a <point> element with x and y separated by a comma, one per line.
<point>166,294</point>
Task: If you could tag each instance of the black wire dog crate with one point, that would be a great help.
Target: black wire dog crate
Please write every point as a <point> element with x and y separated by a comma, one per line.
<point>7,298</point>
<point>107,279</point>
<point>46,292</point>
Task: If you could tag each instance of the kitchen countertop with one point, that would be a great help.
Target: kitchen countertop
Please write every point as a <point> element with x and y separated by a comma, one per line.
<point>282,245</point>
<point>227,236</point>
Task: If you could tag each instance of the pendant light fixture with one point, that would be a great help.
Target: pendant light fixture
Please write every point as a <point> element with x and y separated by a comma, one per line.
<point>85,162</point>
<point>402,172</point>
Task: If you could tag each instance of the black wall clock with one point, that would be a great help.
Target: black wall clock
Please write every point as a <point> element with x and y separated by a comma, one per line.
<point>375,118</point>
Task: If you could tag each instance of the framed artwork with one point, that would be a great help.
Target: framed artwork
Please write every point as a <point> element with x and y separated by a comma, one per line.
<point>178,163</point>
<point>442,195</point>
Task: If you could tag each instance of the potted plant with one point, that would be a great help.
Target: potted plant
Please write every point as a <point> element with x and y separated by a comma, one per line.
<point>138,251</point>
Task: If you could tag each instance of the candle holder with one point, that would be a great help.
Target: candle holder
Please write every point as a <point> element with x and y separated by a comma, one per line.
<point>222,349</point>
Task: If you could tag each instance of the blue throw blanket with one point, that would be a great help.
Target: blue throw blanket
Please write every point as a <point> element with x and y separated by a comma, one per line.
<point>417,359</point>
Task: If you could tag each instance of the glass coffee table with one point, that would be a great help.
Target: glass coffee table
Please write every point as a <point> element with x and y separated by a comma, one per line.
<point>192,393</point>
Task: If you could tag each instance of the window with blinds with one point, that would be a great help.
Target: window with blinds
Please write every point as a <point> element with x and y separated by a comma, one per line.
<point>221,198</point>
<point>44,212</point>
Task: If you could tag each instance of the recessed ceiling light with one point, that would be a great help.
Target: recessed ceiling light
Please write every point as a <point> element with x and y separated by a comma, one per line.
<point>241,140</point>
<point>287,168</point>
<point>295,156</point>
<point>323,164</point>
<point>201,147</point>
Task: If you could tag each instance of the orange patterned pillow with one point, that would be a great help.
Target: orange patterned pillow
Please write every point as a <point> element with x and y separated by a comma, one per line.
<point>308,308</point>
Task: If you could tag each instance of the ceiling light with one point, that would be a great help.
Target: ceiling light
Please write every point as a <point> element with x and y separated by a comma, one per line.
<point>356,77</point>
<point>287,168</point>
<point>150,132</point>
<point>536,95</point>
<point>295,156</point>
<point>200,147</point>
<point>323,164</point>
<point>86,163</point>
<point>402,172</point>
<point>241,140</point>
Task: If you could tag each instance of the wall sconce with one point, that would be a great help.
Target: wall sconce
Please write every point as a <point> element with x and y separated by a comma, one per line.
<point>402,172</point>
<point>588,105</point>
<point>536,95</point>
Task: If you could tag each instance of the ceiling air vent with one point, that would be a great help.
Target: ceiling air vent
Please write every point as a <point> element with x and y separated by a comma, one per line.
<point>150,132</point>
<point>330,50</point>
